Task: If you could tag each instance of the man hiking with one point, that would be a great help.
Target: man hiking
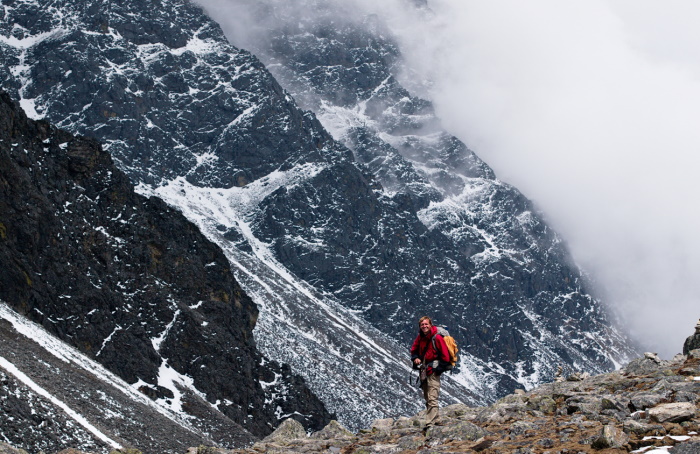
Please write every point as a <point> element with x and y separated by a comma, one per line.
<point>429,353</point>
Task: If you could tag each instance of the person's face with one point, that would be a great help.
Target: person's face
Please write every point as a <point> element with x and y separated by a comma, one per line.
<point>425,326</point>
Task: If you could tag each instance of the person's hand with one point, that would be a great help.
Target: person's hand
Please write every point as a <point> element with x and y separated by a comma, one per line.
<point>416,361</point>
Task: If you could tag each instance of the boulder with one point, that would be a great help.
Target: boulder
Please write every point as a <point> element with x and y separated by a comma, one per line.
<point>692,342</point>
<point>384,425</point>
<point>610,437</point>
<point>673,412</point>
<point>642,428</point>
<point>334,430</point>
<point>644,400</point>
<point>584,403</point>
<point>544,404</point>
<point>691,447</point>
<point>644,366</point>
<point>457,410</point>
<point>521,427</point>
<point>290,429</point>
<point>457,431</point>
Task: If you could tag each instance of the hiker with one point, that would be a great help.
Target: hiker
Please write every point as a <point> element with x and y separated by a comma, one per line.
<point>432,359</point>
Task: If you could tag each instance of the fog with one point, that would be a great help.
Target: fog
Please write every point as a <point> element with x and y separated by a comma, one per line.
<point>591,110</point>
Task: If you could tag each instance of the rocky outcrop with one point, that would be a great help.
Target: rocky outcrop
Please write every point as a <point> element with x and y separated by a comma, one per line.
<point>132,283</point>
<point>692,342</point>
<point>601,413</point>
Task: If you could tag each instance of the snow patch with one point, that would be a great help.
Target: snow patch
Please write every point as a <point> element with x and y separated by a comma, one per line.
<point>80,419</point>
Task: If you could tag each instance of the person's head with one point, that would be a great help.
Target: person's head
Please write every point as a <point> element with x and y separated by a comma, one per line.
<point>425,324</point>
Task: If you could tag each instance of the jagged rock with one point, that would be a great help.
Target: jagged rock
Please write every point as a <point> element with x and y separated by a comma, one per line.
<point>290,429</point>
<point>583,403</point>
<point>692,342</point>
<point>7,449</point>
<point>333,430</point>
<point>653,356</point>
<point>673,412</point>
<point>457,411</point>
<point>610,437</point>
<point>642,428</point>
<point>695,354</point>
<point>456,430</point>
<point>643,366</point>
<point>133,295</point>
<point>644,400</point>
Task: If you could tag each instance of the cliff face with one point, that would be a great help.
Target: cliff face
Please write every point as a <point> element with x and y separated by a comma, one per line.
<point>342,239</point>
<point>130,282</point>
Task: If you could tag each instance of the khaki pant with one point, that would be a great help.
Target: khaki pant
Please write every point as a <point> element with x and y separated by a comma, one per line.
<point>431,392</point>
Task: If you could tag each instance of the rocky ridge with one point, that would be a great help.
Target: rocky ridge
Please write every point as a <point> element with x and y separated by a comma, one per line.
<point>649,403</point>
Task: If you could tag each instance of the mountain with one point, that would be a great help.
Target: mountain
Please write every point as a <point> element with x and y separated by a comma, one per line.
<point>342,207</point>
<point>133,285</point>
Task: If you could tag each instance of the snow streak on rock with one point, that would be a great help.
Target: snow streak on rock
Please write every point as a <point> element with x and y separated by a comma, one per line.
<point>332,348</point>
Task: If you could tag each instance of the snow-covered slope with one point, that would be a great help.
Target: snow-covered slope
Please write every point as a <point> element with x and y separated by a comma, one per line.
<point>50,388</point>
<point>343,240</point>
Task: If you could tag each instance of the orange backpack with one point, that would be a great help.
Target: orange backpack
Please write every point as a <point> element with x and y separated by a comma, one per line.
<point>451,346</point>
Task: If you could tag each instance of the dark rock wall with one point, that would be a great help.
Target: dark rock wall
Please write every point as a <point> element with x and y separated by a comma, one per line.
<point>127,280</point>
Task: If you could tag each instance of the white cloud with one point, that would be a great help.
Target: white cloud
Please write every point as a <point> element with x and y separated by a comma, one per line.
<point>590,108</point>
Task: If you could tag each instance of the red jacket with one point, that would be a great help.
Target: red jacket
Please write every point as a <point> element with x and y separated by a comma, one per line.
<point>423,348</point>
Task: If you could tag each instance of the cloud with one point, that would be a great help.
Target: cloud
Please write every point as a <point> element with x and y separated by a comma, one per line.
<point>590,109</point>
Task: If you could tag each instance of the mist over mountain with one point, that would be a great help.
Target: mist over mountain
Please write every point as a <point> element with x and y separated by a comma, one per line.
<point>596,128</point>
<point>342,206</point>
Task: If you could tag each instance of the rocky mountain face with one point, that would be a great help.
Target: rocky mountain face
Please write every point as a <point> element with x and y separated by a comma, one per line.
<point>476,254</point>
<point>134,285</point>
<point>344,230</point>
